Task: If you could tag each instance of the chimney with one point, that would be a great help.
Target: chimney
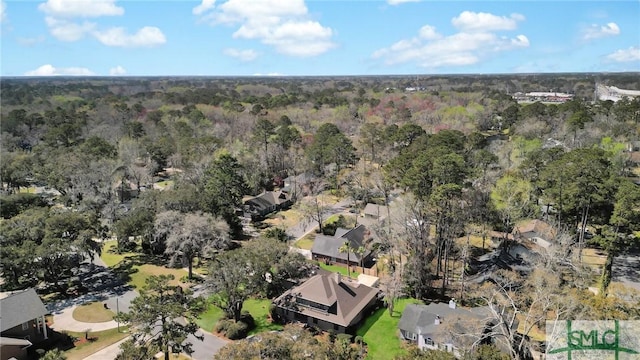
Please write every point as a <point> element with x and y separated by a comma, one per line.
<point>337,277</point>
<point>452,303</point>
<point>437,322</point>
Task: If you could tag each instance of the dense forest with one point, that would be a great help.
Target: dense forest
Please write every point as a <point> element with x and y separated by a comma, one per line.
<point>135,159</point>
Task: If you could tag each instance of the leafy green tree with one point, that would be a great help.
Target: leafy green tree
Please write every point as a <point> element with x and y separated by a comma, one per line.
<point>230,280</point>
<point>579,184</point>
<point>330,146</point>
<point>263,130</point>
<point>286,134</point>
<point>625,220</point>
<point>224,187</point>
<point>99,148</point>
<point>371,138</point>
<point>156,316</point>
<point>195,235</point>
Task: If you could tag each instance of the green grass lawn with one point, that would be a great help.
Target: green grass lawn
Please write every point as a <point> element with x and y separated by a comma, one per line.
<point>99,340</point>
<point>93,312</point>
<point>380,332</point>
<point>129,265</point>
<point>339,269</point>
<point>258,308</point>
<point>209,318</point>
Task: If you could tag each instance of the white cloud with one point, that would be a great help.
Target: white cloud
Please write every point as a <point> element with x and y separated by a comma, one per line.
<point>3,11</point>
<point>66,30</point>
<point>596,31</point>
<point>398,2</point>
<point>146,37</point>
<point>203,7</point>
<point>81,8</point>
<point>242,55</point>
<point>428,32</point>
<point>26,41</point>
<point>50,70</point>
<point>117,71</point>
<point>283,24</point>
<point>472,21</point>
<point>625,55</point>
<point>474,43</point>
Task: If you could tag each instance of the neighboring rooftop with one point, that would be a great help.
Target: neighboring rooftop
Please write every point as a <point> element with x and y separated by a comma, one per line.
<point>329,245</point>
<point>345,299</point>
<point>421,319</point>
<point>19,307</point>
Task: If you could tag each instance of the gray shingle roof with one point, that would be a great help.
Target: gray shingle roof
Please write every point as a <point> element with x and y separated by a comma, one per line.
<point>420,319</point>
<point>20,307</point>
<point>329,245</point>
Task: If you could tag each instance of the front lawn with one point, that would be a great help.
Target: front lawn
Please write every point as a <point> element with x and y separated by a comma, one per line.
<point>258,308</point>
<point>131,267</point>
<point>97,341</point>
<point>93,312</point>
<point>380,332</point>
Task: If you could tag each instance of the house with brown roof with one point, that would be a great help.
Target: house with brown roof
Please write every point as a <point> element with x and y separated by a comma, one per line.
<point>536,231</point>
<point>258,207</point>
<point>22,323</point>
<point>328,302</point>
<point>327,248</point>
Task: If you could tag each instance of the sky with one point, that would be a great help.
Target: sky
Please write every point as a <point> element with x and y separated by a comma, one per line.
<point>316,37</point>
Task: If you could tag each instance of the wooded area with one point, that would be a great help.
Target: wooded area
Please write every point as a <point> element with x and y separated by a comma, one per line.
<point>168,163</point>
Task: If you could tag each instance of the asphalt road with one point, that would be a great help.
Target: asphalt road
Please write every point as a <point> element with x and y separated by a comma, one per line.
<point>626,269</point>
<point>204,350</point>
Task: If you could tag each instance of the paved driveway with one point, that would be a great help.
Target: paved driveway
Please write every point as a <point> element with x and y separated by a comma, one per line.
<point>626,269</point>
<point>204,350</point>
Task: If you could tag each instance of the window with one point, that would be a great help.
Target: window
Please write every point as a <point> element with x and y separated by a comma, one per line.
<point>315,321</point>
<point>428,341</point>
<point>336,327</point>
<point>25,326</point>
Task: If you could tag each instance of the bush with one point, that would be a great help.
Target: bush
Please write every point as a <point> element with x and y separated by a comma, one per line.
<point>359,340</point>
<point>237,330</point>
<point>248,320</point>
<point>222,325</point>
<point>344,337</point>
<point>332,335</point>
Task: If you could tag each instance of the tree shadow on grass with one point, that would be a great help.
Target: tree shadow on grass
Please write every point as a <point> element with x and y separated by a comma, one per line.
<point>371,320</point>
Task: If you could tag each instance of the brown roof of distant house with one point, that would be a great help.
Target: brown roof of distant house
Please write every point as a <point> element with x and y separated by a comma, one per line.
<point>349,298</point>
<point>535,228</point>
<point>500,235</point>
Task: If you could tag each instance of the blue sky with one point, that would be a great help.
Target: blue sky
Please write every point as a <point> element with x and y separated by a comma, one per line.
<point>316,37</point>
